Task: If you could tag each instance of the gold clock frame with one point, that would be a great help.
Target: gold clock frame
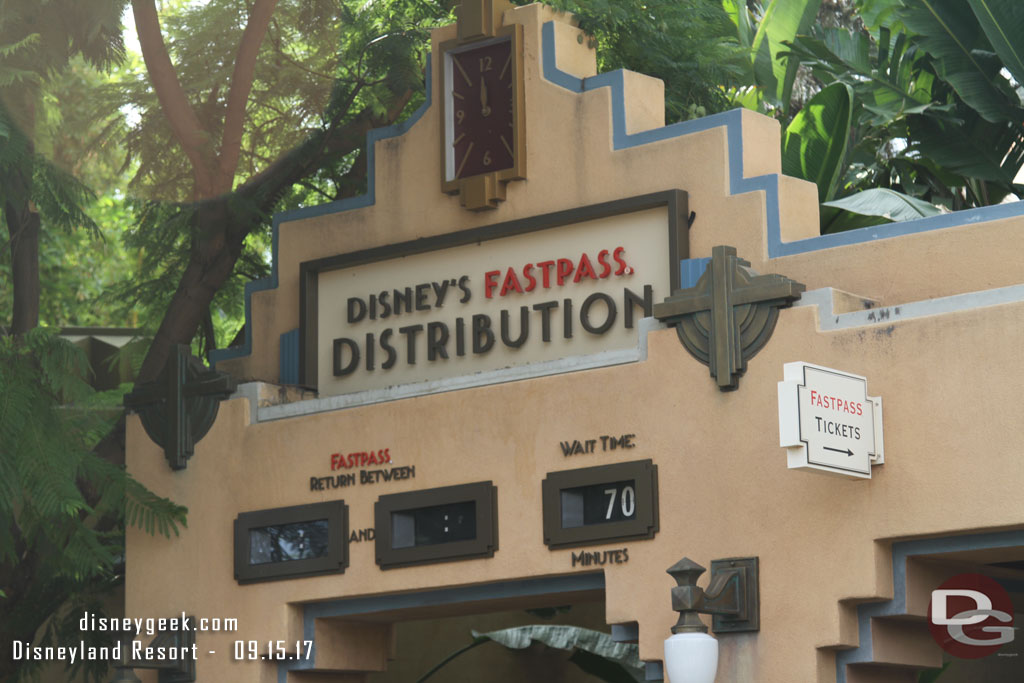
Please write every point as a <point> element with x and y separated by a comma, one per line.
<point>481,21</point>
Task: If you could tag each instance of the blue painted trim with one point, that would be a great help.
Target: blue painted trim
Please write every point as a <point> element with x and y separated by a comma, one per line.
<point>654,671</point>
<point>690,270</point>
<point>367,199</point>
<point>864,652</point>
<point>520,588</point>
<point>626,633</point>
<point>732,121</point>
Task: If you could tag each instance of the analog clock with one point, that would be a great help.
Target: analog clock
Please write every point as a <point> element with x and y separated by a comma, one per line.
<point>481,89</point>
<point>483,145</point>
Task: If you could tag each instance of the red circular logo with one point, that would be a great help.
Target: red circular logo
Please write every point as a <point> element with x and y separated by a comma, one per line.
<point>971,616</point>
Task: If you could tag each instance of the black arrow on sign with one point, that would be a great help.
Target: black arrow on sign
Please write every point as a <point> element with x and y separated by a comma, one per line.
<point>847,451</point>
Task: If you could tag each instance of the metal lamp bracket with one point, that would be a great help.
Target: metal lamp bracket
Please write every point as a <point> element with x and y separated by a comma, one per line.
<point>740,578</point>
<point>181,670</point>
<point>732,596</point>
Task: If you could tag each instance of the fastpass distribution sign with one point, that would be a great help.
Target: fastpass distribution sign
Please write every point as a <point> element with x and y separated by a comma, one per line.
<point>570,291</point>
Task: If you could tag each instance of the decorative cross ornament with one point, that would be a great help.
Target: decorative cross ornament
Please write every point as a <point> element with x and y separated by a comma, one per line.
<point>179,407</point>
<point>729,315</point>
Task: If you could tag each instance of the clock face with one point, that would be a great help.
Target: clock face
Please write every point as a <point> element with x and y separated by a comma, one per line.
<point>481,135</point>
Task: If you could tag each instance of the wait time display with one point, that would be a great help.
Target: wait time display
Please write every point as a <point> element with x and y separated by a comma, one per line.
<point>597,504</point>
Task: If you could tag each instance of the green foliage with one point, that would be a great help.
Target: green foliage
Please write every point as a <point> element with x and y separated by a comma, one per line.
<point>887,74</point>
<point>689,44</point>
<point>886,204</point>
<point>62,507</point>
<point>937,117</point>
<point>62,628</point>
<point>814,144</point>
<point>593,651</point>
<point>949,31</point>
<point>162,235</point>
<point>321,64</point>
<point>763,29</point>
<point>50,56</point>
<point>1002,22</point>
<point>935,110</point>
<point>59,196</point>
<point>39,37</point>
<point>78,271</point>
<point>780,21</point>
<point>9,53</point>
<point>79,130</point>
<point>321,59</point>
<point>46,432</point>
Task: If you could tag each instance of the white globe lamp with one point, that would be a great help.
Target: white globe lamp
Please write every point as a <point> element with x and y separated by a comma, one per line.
<point>691,658</point>
<point>691,655</point>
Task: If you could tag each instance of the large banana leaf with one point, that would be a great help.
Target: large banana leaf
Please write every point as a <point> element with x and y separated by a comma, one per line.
<point>878,13</point>
<point>987,155</point>
<point>872,207</point>
<point>949,31</point>
<point>887,204</point>
<point>780,21</point>
<point>610,661</point>
<point>889,77</point>
<point>814,146</point>
<point>1003,24</point>
<point>737,12</point>
<point>593,652</point>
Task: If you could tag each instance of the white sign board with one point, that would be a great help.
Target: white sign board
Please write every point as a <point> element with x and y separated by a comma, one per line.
<point>568,291</point>
<point>827,421</point>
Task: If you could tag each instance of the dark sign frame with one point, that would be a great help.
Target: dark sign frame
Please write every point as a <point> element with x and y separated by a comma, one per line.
<point>483,493</point>
<point>675,202</point>
<point>335,562</point>
<point>644,473</point>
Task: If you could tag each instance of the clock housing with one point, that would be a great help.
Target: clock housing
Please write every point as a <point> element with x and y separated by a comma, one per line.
<point>483,122</point>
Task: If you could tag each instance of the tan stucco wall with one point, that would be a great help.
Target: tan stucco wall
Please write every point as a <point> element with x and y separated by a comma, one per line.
<point>569,130</point>
<point>949,382</point>
<point>724,487</point>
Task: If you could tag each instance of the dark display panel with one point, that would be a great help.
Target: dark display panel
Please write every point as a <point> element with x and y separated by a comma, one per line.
<point>600,504</point>
<point>433,525</point>
<point>286,542</point>
<point>436,525</point>
<point>291,542</point>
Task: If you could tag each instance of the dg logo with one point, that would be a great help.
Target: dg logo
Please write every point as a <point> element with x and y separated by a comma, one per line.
<point>971,616</point>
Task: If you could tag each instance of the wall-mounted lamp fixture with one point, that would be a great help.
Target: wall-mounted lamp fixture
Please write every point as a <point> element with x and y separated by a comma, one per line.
<point>732,597</point>
<point>178,645</point>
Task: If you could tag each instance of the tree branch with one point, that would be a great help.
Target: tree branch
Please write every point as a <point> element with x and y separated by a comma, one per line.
<point>238,95</point>
<point>297,163</point>
<point>184,123</point>
<point>211,265</point>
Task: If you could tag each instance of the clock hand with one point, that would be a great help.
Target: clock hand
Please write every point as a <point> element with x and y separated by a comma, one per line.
<point>485,110</point>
